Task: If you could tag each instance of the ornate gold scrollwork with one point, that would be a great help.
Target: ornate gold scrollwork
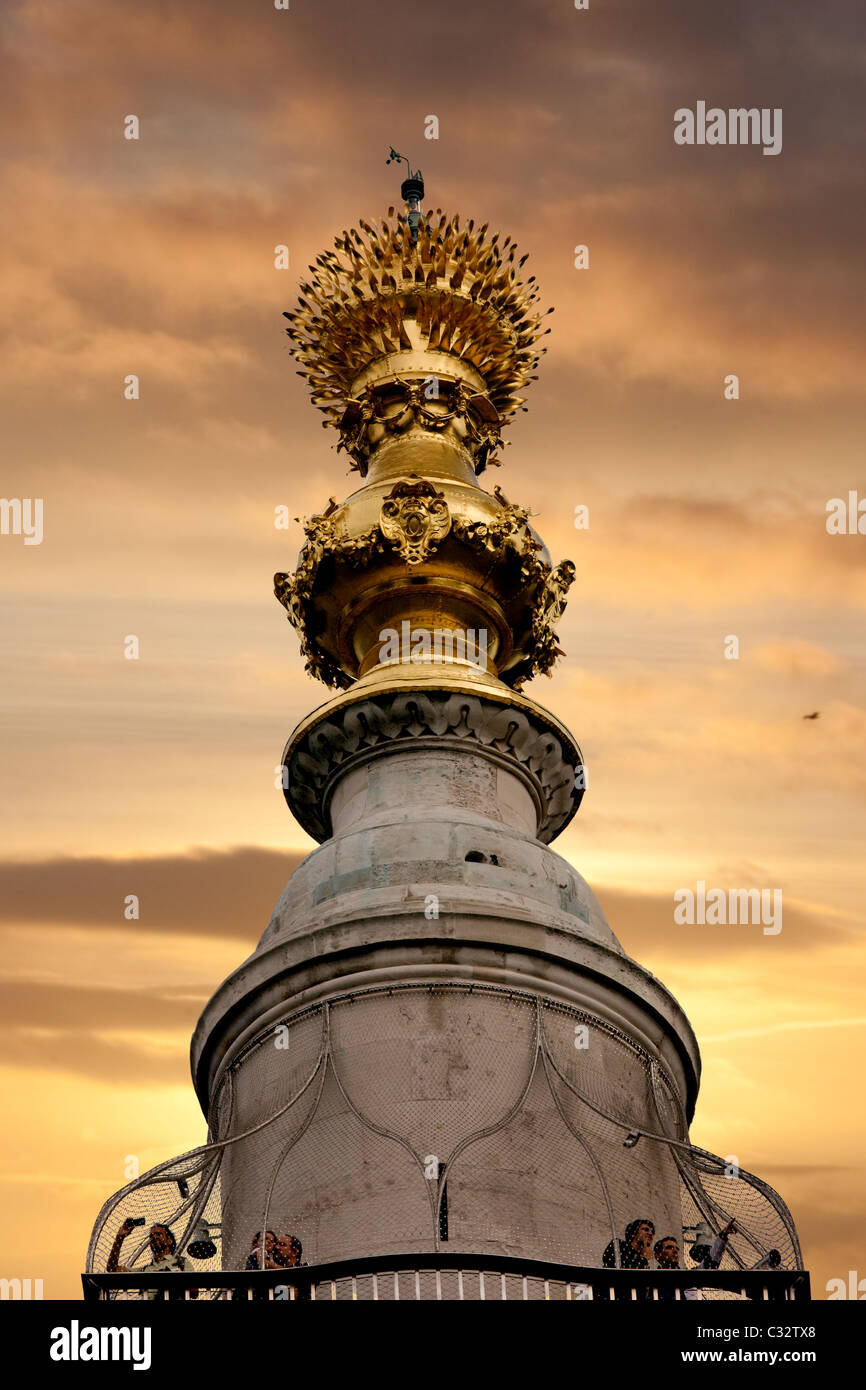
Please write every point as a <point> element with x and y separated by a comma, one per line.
<point>415,518</point>
<point>295,591</point>
<point>467,415</point>
<point>550,606</point>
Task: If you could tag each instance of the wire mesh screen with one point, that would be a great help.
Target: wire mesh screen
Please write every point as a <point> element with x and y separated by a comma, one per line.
<point>418,1119</point>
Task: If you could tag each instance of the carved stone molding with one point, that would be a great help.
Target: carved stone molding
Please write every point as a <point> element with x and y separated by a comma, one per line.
<point>380,725</point>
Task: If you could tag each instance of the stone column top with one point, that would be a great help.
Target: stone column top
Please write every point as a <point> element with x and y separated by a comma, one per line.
<point>420,707</point>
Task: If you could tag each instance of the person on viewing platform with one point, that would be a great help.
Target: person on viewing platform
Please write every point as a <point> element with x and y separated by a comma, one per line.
<point>707,1253</point>
<point>667,1255</point>
<point>255,1260</point>
<point>163,1249</point>
<point>635,1250</point>
<point>288,1251</point>
<point>667,1252</point>
<point>634,1253</point>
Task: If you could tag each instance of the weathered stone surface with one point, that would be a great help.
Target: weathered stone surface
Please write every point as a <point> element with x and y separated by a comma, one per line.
<point>434,872</point>
<point>415,1087</point>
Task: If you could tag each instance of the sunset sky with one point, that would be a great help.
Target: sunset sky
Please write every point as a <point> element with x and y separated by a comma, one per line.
<point>261,127</point>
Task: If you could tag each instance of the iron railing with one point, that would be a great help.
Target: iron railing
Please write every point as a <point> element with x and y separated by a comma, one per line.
<point>453,1277</point>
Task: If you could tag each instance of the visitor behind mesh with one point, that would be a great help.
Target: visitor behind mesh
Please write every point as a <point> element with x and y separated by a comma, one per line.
<point>635,1250</point>
<point>634,1253</point>
<point>163,1248</point>
<point>255,1259</point>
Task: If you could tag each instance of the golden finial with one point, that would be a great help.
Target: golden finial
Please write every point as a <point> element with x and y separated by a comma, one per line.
<point>402,295</point>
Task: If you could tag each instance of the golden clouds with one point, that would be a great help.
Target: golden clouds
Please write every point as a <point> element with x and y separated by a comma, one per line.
<point>155,257</point>
<point>796,659</point>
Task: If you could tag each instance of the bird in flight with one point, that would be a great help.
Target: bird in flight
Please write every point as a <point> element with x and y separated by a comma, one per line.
<point>816,715</point>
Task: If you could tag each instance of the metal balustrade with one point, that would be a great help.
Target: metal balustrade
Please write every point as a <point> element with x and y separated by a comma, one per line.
<point>452,1277</point>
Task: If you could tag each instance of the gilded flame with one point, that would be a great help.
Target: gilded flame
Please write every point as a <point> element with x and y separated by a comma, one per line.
<point>451,292</point>
<point>416,351</point>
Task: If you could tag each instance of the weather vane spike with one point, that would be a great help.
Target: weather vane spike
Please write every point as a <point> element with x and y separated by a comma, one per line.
<point>411,190</point>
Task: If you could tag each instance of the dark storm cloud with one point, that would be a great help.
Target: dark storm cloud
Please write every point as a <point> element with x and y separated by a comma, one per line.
<point>225,894</point>
<point>90,1031</point>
